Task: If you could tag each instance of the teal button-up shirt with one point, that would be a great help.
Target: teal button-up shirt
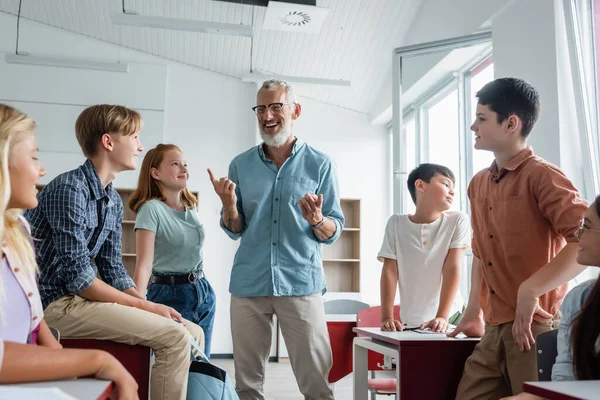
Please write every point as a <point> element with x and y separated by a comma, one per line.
<point>279,254</point>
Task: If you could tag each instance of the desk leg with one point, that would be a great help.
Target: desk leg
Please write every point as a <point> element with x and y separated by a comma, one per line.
<point>398,375</point>
<point>360,373</point>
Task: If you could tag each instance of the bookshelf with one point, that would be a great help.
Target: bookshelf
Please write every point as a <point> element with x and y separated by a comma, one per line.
<point>341,260</point>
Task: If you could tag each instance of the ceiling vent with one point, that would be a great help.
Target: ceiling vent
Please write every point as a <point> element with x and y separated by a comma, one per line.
<point>290,17</point>
<point>264,3</point>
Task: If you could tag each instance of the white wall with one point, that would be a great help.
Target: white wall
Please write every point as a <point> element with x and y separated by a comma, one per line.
<point>540,57</point>
<point>360,151</point>
<point>436,20</point>
<point>208,115</point>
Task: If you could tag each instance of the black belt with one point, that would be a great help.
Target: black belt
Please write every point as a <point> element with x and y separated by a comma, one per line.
<point>177,279</point>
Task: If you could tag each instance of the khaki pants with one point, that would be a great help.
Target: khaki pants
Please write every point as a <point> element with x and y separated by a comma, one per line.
<point>497,368</point>
<point>76,317</point>
<point>302,321</point>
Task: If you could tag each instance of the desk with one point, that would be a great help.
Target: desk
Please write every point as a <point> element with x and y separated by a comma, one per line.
<point>429,366</point>
<point>340,335</point>
<point>564,390</point>
<point>81,389</point>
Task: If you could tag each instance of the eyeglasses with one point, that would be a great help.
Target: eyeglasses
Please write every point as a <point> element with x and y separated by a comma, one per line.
<point>582,228</point>
<point>273,107</point>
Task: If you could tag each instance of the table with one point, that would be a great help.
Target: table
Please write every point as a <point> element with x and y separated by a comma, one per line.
<point>429,366</point>
<point>564,390</point>
<point>81,389</point>
<point>341,336</point>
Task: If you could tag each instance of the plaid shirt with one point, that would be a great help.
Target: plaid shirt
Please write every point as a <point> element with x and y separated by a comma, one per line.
<point>77,220</point>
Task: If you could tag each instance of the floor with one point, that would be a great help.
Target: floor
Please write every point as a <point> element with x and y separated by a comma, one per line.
<point>280,383</point>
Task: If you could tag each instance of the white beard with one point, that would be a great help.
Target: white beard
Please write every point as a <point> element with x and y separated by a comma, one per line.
<point>279,138</point>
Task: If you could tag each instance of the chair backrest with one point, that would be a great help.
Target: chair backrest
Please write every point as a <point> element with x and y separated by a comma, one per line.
<point>344,306</point>
<point>371,317</point>
<point>545,344</point>
<point>55,333</point>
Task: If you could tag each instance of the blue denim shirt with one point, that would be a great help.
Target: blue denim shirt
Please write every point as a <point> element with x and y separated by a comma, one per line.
<point>279,254</point>
<point>572,304</point>
<point>75,221</point>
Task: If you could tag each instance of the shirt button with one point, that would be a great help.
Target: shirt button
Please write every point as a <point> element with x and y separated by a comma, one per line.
<point>278,178</point>
<point>30,294</point>
<point>275,221</point>
<point>490,208</point>
<point>16,270</point>
<point>272,265</point>
<point>489,264</point>
<point>493,292</point>
<point>276,199</point>
<point>425,242</point>
<point>497,180</point>
<point>491,236</point>
<point>34,318</point>
<point>274,244</point>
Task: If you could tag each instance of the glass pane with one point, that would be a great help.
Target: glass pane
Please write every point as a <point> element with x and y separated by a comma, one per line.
<point>411,161</point>
<point>444,146</point>
<point>481,158</point>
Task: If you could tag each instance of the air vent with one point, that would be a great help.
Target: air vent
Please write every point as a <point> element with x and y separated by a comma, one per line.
<point>283,16</point>
<point>264,3</point>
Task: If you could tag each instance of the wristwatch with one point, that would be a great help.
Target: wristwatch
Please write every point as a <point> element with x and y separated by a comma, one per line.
<point>318,224</point>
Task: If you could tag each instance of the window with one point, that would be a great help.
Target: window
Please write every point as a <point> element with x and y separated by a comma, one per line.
<point>410,129</point>
<point>480,75</point>
<point>443,137</point>
<point>435,133</point>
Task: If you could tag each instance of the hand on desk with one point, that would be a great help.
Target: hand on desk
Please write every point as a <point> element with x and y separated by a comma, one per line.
<point>391,325</point>
<point>471,325</point>
<point>437,324</point>
<point>125,387</point>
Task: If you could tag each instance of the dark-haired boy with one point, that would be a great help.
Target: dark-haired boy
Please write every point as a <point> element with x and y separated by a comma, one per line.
<point>525,215</point>
<point>422,255</point>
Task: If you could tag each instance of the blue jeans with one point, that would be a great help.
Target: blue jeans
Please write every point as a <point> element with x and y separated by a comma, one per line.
<point>195,302</point>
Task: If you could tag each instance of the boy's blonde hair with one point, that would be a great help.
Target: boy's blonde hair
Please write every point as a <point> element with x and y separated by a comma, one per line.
<point>148,188</point>
<point>14,127</point>
<point>97,120</point>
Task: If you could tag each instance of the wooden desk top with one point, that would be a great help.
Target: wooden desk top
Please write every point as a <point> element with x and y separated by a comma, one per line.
<point>81,389</point>
<point>405,337</point>
<point>564,390</point>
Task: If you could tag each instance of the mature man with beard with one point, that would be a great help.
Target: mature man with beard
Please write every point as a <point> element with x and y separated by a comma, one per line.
<point>282,199</point>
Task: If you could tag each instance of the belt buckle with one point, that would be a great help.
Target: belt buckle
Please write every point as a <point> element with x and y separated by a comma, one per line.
<point>192,277</point>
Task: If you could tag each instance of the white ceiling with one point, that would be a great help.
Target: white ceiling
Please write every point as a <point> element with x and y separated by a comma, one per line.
<point>355,42</point>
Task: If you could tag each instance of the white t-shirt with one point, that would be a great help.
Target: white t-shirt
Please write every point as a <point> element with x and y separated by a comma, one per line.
<point>420,251</point>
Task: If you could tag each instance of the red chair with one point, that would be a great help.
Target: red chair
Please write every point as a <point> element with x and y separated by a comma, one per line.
<point>371,318</point>
<point>135,359</point>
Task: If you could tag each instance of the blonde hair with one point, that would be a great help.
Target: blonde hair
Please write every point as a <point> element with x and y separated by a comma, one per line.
<point>148,187</point>
<point>13,127</point>
<point>95,121</point>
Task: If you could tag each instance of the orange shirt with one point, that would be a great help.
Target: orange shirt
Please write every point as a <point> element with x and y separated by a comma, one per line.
<point>522,216</point>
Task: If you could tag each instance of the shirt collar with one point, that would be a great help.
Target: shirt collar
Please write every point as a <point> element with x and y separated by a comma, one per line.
<point>90,173</point>
<point>514,162</point>
<point>298,144</point>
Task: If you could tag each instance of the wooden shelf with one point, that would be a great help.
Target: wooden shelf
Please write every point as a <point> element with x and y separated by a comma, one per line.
<point>341,260</point>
